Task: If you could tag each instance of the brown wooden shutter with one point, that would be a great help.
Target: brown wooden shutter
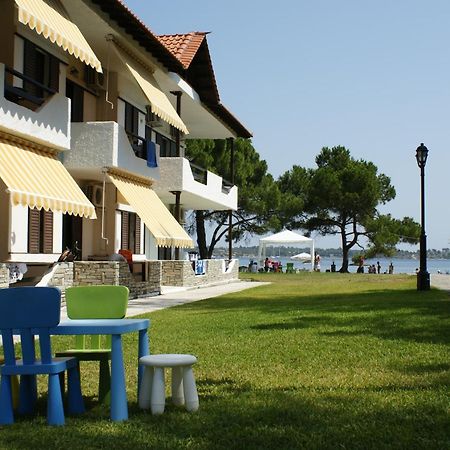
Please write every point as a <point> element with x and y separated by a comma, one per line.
<point>30,67</point>
<point>47,231</point>
<point>54,73</point>
<point>125,219</point>
<point>138,236</point>
<point>34,230</point>
<point>128,118</point>
<point>136,121</point>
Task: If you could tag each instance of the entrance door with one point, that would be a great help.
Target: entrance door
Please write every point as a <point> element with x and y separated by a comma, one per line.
<point>73,234</point>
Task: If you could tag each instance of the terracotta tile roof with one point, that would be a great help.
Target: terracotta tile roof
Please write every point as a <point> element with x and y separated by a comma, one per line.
<point>119,12</point>
<point>176,52</point>
<point>183,46</point>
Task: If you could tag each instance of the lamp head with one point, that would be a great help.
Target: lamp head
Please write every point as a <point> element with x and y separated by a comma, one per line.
<point>421,155</point>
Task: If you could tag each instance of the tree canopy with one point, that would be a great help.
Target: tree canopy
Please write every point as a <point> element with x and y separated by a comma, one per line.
<point>341,196</point>
<point>258,193</point>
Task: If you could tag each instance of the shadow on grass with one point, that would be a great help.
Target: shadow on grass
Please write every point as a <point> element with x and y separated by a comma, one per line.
<point>266,419</point>
<point>422,317</point>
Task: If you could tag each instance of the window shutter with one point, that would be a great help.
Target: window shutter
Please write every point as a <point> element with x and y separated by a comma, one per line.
<point>124,243</point>
<point>47,232</point>
<point>54,73</point>
<point>136,121</point>
<point>34,230</point>
<point>30,66</point>
<point>138,236</point>
<point>128,118</point>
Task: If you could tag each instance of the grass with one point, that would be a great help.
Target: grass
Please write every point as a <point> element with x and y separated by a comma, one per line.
<point>310,361</point>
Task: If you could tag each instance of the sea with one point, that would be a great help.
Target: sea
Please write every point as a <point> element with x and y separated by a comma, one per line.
<point>401,265</point>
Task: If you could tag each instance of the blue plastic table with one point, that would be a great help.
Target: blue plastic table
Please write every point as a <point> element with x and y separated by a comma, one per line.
<point>114,327</point>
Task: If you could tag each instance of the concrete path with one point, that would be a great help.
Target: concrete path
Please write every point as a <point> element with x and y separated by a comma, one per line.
<point>440,281</point>
<point>172,296</point>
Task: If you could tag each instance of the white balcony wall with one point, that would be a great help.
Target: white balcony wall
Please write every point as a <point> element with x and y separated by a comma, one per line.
<point>176,175</point>
<point>49,125</point>
<point>104,144</point>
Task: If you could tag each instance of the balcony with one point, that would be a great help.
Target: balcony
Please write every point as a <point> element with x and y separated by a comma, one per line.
<point>96,145</point>
<point>41,116</point>
<point>200,189</point>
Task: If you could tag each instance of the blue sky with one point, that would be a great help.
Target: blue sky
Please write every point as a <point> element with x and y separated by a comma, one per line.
<point>372,76</point>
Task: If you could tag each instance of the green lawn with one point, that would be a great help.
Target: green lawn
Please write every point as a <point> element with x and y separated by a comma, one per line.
<point>311,361</point>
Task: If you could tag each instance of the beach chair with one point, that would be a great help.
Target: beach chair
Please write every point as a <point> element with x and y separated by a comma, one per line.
<point>290,267</point>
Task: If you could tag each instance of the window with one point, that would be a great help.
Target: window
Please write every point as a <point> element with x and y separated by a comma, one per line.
<point>167,147</point>
<point>131,232</point>
<point>40,231</point>
<point>132,128</point>
<point>165,253</point>
<point>41,67</point>
<point>131,119</point>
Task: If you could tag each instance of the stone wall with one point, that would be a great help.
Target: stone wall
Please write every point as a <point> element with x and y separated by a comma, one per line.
<point>157,273</point>
<point>61,276</point>
<point>118,273</point>
<point>87,273</point>
<point>181,273</point>
<point>4,276</point>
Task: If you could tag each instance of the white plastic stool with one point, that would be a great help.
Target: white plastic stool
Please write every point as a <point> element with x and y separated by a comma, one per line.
<point>152,390</point>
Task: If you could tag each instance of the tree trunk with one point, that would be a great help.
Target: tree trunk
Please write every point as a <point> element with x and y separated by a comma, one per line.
<point>201,234</point>
<point>345,249</point>
<point>344,268</point>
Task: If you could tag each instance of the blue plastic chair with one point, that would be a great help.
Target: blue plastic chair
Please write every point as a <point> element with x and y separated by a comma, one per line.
<point>30,311</point>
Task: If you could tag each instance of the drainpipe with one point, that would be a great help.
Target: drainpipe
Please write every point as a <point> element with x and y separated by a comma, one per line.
<point>230,212</point>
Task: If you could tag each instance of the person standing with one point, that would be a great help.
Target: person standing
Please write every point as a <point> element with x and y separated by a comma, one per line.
<point>360,264</point>
<point>317,263</point>
<point>378,267</point>
<point>391,268</point>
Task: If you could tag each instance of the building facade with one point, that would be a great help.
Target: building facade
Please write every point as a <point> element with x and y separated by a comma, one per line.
<point>94,116</point>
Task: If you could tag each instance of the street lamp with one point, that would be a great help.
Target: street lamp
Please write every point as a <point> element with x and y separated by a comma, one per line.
<point>423,277</point>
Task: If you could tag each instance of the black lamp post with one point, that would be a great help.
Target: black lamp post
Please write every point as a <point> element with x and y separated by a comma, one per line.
<point>423,277</point>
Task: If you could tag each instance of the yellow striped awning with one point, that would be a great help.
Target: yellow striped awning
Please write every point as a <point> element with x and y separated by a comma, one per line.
<point>152,211</point>
<point>159,103</point>
<point>49,18</point>
<point>36,178</point>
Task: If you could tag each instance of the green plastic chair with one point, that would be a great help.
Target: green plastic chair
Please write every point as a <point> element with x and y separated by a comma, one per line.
<point>290,268</point>
<point>96,302</point>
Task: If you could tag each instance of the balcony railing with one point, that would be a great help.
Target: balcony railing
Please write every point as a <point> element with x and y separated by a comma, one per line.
<point>226,186</point>
<point>141,149</point>
<point>138,144</point>
<point>200,174</point>
<point>22,96</point>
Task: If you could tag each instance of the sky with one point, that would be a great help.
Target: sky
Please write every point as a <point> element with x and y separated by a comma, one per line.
<point>373,76</point>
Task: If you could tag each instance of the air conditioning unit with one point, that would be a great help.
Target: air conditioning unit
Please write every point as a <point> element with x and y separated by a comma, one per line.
<point>94,192</point>
<point>95,80</point>
<point>151,119</point>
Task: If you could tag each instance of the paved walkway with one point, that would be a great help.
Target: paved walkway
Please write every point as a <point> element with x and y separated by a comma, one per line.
<point>172,296</point>
<point>440,281</point>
